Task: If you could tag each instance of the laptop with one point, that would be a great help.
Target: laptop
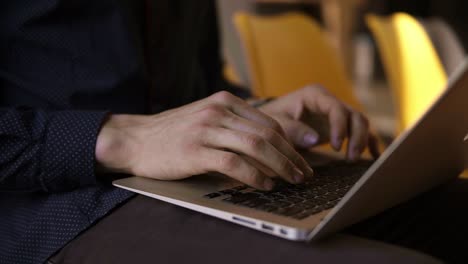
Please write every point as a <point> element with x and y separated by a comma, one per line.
<point>340,194</point>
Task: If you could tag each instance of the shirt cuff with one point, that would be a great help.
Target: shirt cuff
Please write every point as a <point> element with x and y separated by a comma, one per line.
<point>68,158</point>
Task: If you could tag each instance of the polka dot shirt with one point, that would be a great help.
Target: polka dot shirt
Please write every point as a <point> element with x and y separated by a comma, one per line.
<point>60,70</point>
<point>62,65</point>
<point>48,190</point>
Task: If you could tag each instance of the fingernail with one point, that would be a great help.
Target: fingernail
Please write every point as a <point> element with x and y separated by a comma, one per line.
<point>310,139</point>
<point>268,184</point>
<point>311,171</point>
<point>298,176</point>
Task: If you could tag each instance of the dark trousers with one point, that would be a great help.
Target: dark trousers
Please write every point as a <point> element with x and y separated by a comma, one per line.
<point>145,230</point>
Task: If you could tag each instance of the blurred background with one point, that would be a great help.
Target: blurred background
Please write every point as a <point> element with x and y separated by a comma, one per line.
<point>388,58</point>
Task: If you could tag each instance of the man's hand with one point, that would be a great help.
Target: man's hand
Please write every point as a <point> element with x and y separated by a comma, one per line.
<point>312,115</point>
<point>221,133</point>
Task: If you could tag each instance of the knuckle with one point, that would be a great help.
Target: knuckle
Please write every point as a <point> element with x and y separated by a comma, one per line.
<point>269,134</point>
<point>317,88</point>
<point>254,142</point>
<point>229,161</point>
<point>275,125</point>
<point>297,159</point>
<point>285,165</point>
<point>212,111</point>
<point>223,96</point>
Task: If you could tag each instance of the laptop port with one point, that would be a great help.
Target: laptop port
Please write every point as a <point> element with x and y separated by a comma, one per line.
<point>283,231</point>
<point>267,227</point>
<point>242,220</point>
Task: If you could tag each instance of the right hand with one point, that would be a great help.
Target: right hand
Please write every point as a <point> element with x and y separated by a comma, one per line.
<point>221,134</point>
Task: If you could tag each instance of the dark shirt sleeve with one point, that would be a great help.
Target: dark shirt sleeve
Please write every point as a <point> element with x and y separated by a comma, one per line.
<point>43,151</point>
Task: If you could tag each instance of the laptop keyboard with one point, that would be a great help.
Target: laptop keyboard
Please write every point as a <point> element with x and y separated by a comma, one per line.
<point>321,192</point>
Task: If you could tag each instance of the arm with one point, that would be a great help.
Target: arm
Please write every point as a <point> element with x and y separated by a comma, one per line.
<point>47,151</point>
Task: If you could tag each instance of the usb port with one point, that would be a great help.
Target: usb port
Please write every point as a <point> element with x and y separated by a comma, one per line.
<point>267,227</point>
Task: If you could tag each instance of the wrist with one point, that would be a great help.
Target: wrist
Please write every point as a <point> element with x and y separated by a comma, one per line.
<point>116,143</point>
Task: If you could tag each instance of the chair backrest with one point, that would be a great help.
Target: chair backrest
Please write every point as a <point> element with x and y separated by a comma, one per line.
<point>413,67</point>
<point>288,51</point>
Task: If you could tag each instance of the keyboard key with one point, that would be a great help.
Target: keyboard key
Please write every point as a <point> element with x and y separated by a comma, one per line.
<point>276,196</point>
<point>289,211</point>
<point>240,197</point>
<point>240,188</point>
<point>314,210</point>
<point>212,195</point>
<point>267,208</point>
<point>332,196</point>
<point>282,203</point>
<point>302,215</point>
<point>328,205</point>
<point>228,191</point>
<point>255,202</point>
<point>294,199</point>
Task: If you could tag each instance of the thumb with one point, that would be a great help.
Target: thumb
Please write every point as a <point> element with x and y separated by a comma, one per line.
<point>300,134</point>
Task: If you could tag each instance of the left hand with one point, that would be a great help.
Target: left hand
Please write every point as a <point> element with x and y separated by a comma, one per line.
<point>311,116</point>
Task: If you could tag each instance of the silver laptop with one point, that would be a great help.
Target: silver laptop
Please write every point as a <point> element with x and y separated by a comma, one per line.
<point>434,151</point>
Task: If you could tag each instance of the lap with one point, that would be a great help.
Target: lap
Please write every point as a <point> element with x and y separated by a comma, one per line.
<point>435,223</point>
<point>145,230</point>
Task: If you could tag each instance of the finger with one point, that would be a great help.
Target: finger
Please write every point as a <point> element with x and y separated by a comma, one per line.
<point>237,123</point>
<point>243,109</point>
<point>234,166</point>
<point>256,148</point>
<point>216,115</point>
<point>359,136</point>
<point>321,102</point>
<point>265,170</point>
<point>299,133</point>
<point>339,122</point>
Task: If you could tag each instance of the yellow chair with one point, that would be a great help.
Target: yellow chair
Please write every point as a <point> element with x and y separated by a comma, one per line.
<point>413,67</point>
<point>231,75</point>
<point>289,51</point>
